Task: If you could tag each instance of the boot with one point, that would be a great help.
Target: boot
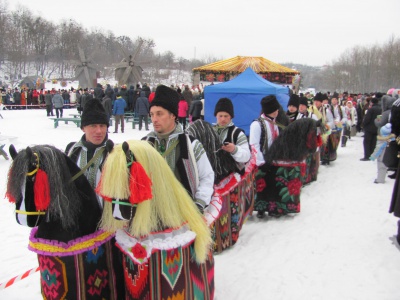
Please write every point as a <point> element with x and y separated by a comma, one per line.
<point>260,214</point>
<point>344,141</point>
<point>398,232</point>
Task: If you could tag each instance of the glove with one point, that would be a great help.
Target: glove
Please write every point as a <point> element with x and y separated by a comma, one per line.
<point>200,206</point>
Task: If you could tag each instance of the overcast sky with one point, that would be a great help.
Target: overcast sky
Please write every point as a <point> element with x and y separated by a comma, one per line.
<point>312,32</point>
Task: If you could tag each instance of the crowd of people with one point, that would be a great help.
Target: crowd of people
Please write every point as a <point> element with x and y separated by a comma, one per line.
<point>288,146</point>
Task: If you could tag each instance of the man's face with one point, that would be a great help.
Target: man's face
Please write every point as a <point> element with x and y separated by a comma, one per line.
<point>223,118</point>
<point>318,104</point>
<point>95,133</point>
<point>292,108</point>
<point>163,120</point>
<point>274,114</point>
<point>302,108</point>
<point>334,101</point>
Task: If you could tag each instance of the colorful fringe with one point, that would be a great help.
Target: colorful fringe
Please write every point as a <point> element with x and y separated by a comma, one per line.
<point>236,195</point>
<point>166,274</point>
<point>88,275</point>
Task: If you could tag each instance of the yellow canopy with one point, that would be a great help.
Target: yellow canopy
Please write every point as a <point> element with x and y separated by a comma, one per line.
<point>238,64</point>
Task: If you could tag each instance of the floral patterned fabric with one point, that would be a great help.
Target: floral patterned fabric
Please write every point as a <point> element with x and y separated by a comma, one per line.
<point>312,166</point>
<point>278,188</point>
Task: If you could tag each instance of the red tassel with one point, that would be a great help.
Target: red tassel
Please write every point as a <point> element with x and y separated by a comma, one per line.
<point>319,140</point>
<point>139,184</point>
<point>10,198</point>
<point>41,189</point>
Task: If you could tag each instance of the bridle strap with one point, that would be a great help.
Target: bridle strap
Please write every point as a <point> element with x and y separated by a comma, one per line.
<point>37,166</point>
<point>88,164</point>
<point>30,213</point>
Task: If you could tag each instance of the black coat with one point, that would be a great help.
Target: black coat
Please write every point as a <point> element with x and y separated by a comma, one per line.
<point>195,108</point>
<point>370,116</point>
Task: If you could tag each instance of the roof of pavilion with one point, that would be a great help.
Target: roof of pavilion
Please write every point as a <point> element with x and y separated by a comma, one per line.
<point>240,63</point>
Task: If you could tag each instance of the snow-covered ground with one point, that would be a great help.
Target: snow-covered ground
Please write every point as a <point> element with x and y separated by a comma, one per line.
<point>341,245</point>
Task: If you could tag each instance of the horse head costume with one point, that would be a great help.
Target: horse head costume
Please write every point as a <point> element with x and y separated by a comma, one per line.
<point>166,245</point>
<point>280,179</point>
<point>233,198</point>
<point>53,197</point>
<point>221,161</point>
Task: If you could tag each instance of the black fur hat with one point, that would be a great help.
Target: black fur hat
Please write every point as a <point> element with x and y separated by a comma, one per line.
<point>303,100</point>
<point>269,104</point>
<point>93,113</point>
<point>294,100</point>
<point>166,98</point>
<point>319,97</point>
<point>224,104</point>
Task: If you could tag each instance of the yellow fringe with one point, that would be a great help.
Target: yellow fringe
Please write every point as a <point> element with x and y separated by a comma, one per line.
<point>170,206</point>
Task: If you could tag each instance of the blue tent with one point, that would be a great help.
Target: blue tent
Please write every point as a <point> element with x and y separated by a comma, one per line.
<point>246,92</point>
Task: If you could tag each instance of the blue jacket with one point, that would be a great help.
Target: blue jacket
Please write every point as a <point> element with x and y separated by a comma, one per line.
<point>119,106</point>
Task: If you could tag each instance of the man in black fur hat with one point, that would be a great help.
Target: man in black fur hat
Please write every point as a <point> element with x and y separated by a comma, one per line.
<point>94,124</point>
<point>90,152</point>
<point>263,132</point>
<point>293,107</point>
<point>233,138</point>
<point>185,155</point>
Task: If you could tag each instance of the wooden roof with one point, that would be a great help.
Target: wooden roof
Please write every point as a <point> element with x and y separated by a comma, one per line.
<point>240,63</point>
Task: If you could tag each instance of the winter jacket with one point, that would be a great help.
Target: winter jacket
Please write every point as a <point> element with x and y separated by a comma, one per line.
<point>386,104</point>
<point>131,93</point>
<point>84,98</point>
<point>98,92</point>
<point>370,116</point>
<point>182,108</point>
<point>107,104</point>
<point>47,99</point>
<point>142,105</point>
<point>17,97</point>
<point>58,101</point>
<point>146,89</point>
<point>188,95</point>
<point>195,108</point>
<point>189,152</point>
<point>119,106</point>
<point>124,93</point>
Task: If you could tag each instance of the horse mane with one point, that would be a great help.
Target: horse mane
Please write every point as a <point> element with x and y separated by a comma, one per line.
<point>171,205</point>
<point>221,161</point>
<point>295,142</point>
<point>282,118</point>
<point>65,197</point>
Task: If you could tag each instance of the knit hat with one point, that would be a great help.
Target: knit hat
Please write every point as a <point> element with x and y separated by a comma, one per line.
<point>386,130</point>
<point>224,104</point>
<point>319,97</point>
<point>303,100</point>
<point>269,104</point>
<point>166,98</point>
<point>294,100</point>
<point>93,113</point>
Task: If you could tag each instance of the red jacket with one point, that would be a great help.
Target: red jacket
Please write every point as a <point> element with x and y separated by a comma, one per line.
<point>182,108</point>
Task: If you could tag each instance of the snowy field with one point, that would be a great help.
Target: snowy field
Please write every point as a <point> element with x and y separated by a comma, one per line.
<point>341,245</point>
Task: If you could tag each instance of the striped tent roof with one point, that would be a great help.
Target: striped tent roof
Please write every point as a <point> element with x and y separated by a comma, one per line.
<point>240,63</point>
